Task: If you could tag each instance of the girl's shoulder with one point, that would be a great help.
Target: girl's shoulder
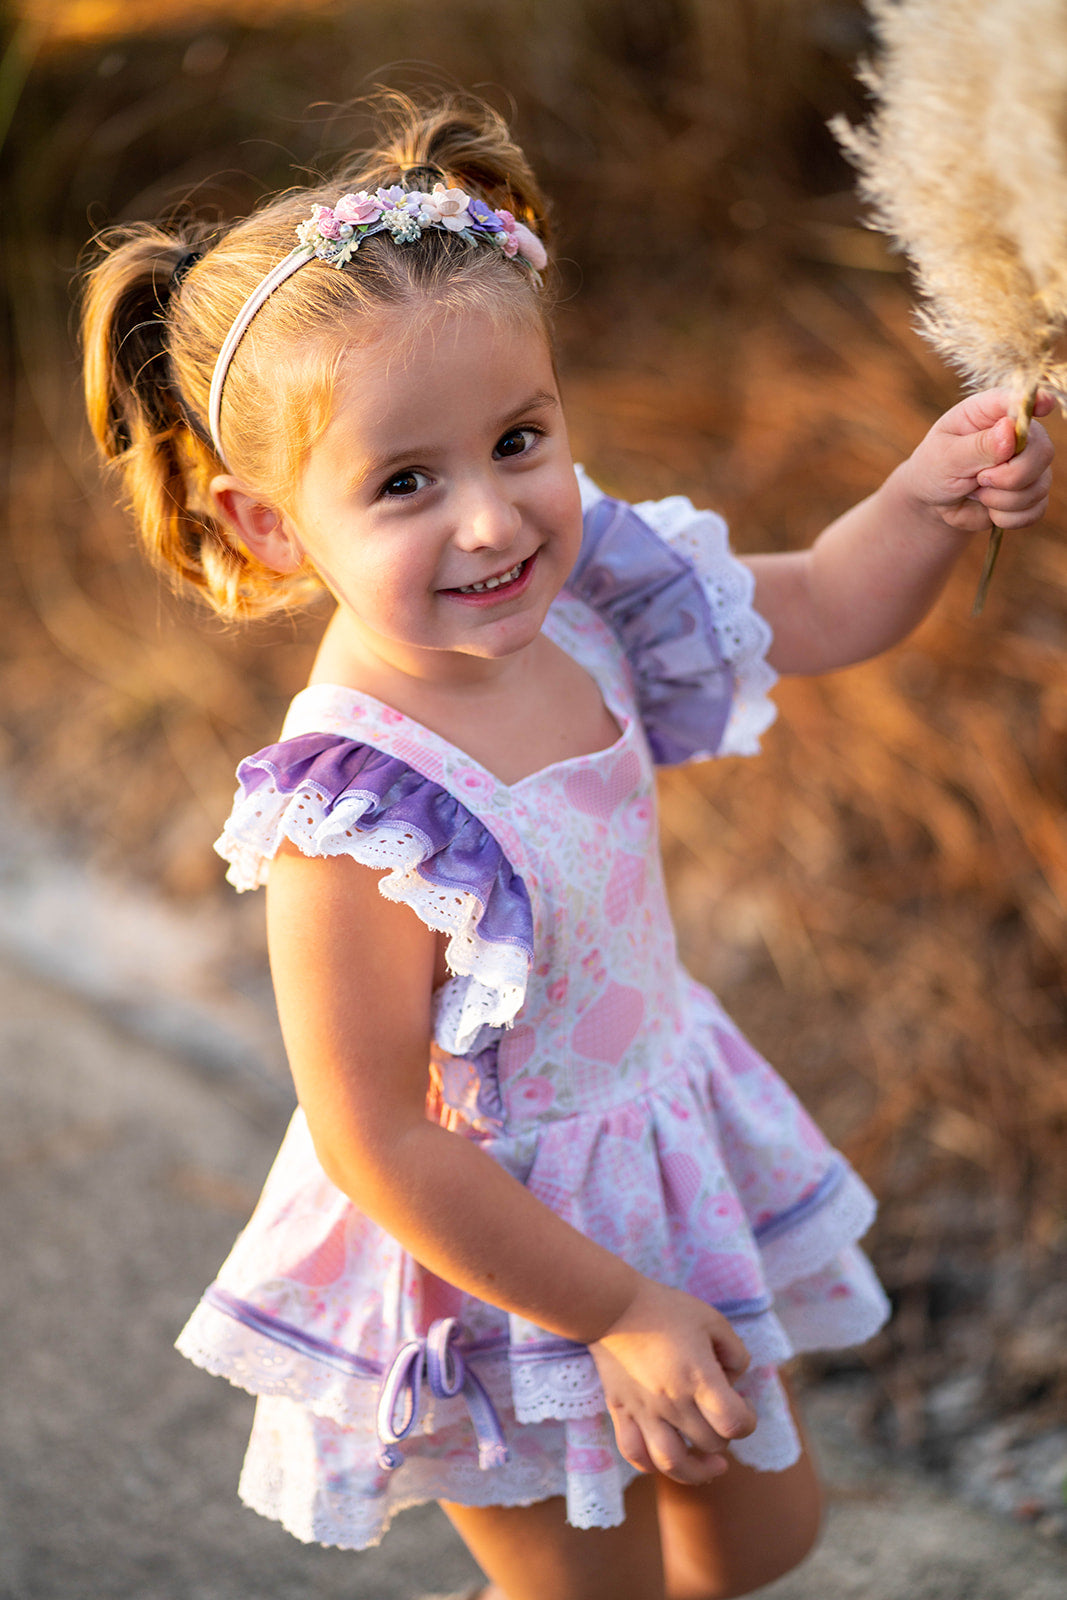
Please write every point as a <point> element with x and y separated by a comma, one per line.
<point>662,575</point>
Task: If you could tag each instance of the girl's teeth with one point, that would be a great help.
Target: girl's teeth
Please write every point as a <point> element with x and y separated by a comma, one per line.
<point>492,583</point>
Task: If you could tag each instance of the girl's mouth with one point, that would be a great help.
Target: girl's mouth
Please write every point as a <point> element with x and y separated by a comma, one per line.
<point>503,587</point>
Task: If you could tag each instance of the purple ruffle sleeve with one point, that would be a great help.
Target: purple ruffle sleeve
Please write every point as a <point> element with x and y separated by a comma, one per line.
<point>652,599</point>
<point>332,795</point>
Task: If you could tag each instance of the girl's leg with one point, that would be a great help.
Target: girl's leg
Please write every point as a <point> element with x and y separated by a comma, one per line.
<point>738,1532</point>
<point>728,1538</point>
<point>533,1553</point>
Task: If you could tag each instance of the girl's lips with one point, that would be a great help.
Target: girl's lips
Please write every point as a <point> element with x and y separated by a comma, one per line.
<point>503,591</point>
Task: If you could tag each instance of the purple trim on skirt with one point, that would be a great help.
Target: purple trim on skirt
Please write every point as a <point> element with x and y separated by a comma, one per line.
<point>286,1333</point>
<point>827,1185</point>
<point>333,1355</point>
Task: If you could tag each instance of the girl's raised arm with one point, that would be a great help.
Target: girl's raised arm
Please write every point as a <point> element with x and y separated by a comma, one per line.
<point>872,575</point>
<point>354,974</point>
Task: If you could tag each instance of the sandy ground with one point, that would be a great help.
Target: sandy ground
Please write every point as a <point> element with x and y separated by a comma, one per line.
<point>127,1168</point>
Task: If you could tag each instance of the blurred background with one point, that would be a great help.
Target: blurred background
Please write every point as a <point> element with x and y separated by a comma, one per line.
<point>880,898</point>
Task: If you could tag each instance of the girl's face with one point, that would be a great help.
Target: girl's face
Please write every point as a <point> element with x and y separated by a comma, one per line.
<point>440,505</point>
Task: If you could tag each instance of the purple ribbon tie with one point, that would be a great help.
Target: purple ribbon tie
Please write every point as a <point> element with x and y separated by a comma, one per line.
<point>437,1360</point>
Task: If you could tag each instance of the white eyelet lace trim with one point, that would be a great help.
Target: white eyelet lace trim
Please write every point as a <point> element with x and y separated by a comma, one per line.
<point>742,634</point>
<point>744,637</point>
<point>490,983</point>
<point>594,1499</point>
<point>562,1389</point>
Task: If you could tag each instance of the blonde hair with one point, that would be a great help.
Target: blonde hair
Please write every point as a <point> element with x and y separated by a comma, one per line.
<point>160,300</point>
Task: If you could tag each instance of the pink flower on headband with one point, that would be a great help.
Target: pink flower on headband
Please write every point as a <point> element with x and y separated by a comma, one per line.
<point>531,247</point>
<point>361,207</point>
<point>508,235</point>
<point>447,208</point>
<point>517,239</point>
<point>326,222</point>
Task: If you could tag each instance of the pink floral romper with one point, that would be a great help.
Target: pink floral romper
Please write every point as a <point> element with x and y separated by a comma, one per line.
<point>570,1044</point>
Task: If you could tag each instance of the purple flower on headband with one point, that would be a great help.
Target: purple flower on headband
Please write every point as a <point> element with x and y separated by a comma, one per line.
<point>483,215</point>
<point>360,208</point>
<point>396,195</point>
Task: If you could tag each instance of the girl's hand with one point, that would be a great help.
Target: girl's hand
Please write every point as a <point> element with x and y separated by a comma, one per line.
<point>667,1366</point>
<point>966,469</point>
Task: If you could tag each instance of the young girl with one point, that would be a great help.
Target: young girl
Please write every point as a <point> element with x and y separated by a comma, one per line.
<point>544,1227</point>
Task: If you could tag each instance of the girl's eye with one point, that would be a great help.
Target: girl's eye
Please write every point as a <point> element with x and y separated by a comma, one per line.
<point>517,442</point>
<point>405,483</point>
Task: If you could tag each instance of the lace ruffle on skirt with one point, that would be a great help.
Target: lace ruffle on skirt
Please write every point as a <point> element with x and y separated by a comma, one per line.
<point>314,1461</point>
<point>319,1479</point>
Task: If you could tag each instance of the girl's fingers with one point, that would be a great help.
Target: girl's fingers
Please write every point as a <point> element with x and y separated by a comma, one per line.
<point>984,410</point>
<point>976,439</point>
<point>731,1352</point>
<point>1026,469</point>
<point>659,1447</point>
<point>967,516</point>
<point>1011,520</point>
<point>673,1456</point>
<point>1032,503</point>
<point>968,440</point>
<point>702,1437</point>
<point>726,1411</point>
<point>631,1442</point>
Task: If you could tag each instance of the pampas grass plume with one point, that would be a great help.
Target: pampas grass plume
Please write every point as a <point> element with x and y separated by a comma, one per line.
<point>964,165</point>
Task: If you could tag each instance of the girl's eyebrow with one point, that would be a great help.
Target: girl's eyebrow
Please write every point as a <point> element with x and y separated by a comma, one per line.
<point>380,466</point>
<point>539,398</point>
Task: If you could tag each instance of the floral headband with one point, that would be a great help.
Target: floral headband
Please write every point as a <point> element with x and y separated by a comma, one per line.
<point>334,233</point>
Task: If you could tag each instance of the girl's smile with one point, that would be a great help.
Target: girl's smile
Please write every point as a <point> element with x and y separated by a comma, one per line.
<point>440,504</point>
<point>503,586</point>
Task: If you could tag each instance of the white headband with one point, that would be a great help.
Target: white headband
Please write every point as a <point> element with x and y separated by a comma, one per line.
<point>261,293</point>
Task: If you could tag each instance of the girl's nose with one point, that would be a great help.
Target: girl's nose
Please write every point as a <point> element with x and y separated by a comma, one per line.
<point>487,519</point>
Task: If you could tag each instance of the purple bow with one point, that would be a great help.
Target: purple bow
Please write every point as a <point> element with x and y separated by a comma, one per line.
<point>436,1358</point>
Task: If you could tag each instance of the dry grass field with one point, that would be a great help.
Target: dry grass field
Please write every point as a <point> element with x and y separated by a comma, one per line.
<point>881,898</point>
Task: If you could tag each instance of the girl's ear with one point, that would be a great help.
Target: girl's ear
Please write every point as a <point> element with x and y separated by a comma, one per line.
<point>262,529</point>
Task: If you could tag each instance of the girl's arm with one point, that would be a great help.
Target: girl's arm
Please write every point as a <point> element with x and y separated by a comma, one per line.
<point>353,975</point>
<point>872,575</point>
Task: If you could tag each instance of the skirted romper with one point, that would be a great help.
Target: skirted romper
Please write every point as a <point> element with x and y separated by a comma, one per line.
<point>570,1044</point>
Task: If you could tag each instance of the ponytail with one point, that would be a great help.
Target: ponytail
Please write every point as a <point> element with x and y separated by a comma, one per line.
<point>142,423</point>
<point>459,141</point>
